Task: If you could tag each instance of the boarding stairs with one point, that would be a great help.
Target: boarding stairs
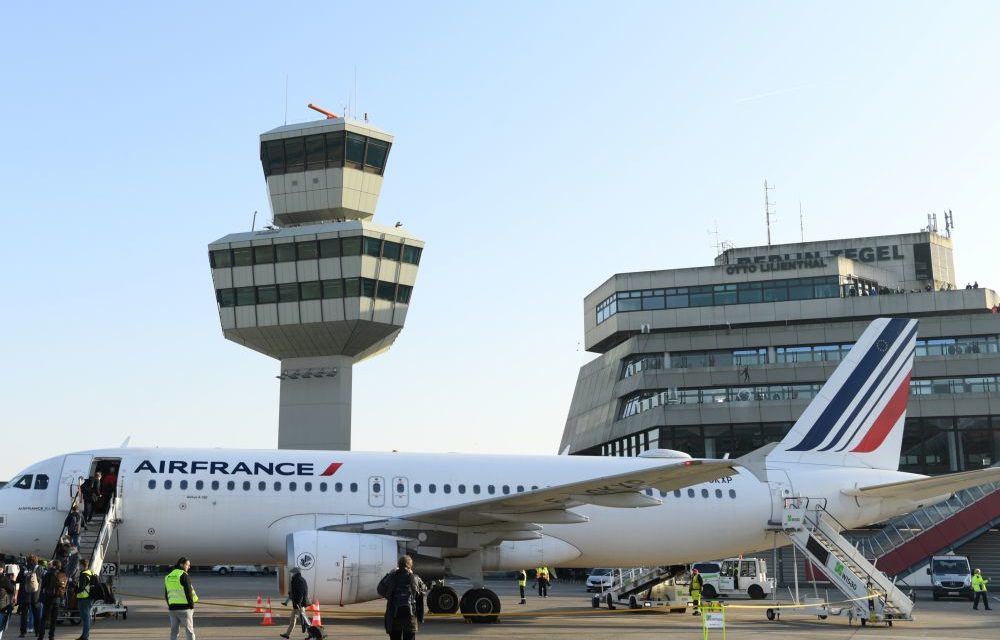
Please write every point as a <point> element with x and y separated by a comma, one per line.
<point>906,542</point>
<point>638,582</point>
<point>872,595</point>
<point>95,540</point>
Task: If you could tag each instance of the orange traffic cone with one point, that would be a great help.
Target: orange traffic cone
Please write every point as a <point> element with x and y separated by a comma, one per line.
<point>260,608</point>
<point>317,620</point>
<point>268,618</point>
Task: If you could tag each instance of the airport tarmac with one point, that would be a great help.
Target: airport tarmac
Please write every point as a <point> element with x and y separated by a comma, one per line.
<point>226,612</point>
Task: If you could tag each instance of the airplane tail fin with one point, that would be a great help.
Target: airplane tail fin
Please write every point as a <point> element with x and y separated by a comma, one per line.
<point>857,418</point>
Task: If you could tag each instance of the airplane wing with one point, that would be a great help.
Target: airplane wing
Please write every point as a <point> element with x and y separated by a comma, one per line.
<point>550,505</point>
<point>928,487</point>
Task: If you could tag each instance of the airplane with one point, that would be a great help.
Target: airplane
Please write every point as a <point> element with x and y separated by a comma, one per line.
<point>343,518</point>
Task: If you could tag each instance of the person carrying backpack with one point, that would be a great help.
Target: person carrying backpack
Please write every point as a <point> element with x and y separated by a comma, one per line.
<point>7,590</point>
<point>54,587</point>
<point>29,596</point>
<point>404,593</point>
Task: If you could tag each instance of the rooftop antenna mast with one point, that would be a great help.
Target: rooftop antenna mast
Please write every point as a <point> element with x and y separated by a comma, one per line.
<point>768,213</point>
<point>949,222</point>
<point>802,227</point>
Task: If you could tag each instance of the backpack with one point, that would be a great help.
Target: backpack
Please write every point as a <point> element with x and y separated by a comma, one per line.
<point>59,584</point>
<point>402,596</point>
<point>315,633</point>
<point>31,583</point>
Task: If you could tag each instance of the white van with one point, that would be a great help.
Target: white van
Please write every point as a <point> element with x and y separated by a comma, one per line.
<point>951,577</point>
<point>735,577</point>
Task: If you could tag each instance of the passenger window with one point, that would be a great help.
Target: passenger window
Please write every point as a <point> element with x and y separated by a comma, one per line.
<point>215,485</point>
<point>41,481</point>
<point>704,493</point>
<point>490,489</point>
<point>308,486</point>
<point>677,493</point>
<point>399,487</point>
<point>690,493</point>
<point>338,487</point>
<point>718,493</point>
<point>277,486</point>
<point>199,485</point>
<point>520,488</point>
<point>24,482</point>
<point>663,494</point>
<point>292,486</point>
<point>261,486</point>
<point>447,488</point>
<point>461,489</point>
<point>475,489</point>
<point>732,493</point>
<point>231,485</point>
<point>152,484</point>
<point>506,489</point>
<point>246,485</point>
<point>432,488</point>
<point>534,487</point>
<point>183,485</point>
<point>416,488</point>
<point>354,487</point>
<point>377,487</point>
<point>167,484</point>
<point>322,487</point>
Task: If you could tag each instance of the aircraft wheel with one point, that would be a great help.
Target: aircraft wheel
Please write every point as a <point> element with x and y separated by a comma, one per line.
<point>442,599</point>
<point>633,603</point>
<point>821,617</point>
<point>708,592</point>
<point>480,606</point>
<point>770,614</point>
<point>756,592</point>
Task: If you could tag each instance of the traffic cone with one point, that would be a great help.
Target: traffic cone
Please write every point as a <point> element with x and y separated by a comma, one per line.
<point>268,618</point>
<point>260,608</point>
<point>317,620</point>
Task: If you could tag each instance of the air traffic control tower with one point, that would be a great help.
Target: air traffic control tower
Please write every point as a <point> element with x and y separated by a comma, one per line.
<point>323,287</point>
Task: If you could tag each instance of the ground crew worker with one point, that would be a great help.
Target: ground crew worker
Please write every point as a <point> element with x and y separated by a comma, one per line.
<point>83,597</point>
<point>542,578</point>
<point>522,582</point>
<point>979,590</point>
<point>181,597</point>
<point>695,590</point>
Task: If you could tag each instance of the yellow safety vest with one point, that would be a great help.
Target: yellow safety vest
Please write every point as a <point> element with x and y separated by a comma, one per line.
<point>175,590</point>
<point>85,592</point>
<point>978,583</point>
<point>522,578</point>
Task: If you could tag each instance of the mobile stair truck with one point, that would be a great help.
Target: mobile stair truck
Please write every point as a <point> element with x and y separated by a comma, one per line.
<point>645,589</point>
<point>871,596</point>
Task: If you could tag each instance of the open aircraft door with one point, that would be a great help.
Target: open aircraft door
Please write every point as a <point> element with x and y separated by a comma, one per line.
<point>76,467</point>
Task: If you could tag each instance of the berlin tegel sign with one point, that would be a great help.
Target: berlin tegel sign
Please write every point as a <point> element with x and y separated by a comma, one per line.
<point>812,259</point>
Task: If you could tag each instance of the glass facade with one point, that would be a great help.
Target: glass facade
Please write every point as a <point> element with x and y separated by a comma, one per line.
<point>314,290</point>
<point>313,249</point>
<point>719,294</point>
<point>323,151</point>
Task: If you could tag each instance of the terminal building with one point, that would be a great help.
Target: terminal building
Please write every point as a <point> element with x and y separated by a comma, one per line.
<point>722,359</point>
<point>323,287</point>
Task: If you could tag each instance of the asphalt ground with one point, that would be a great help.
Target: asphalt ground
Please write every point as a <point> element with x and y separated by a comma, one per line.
<point>226,611</point>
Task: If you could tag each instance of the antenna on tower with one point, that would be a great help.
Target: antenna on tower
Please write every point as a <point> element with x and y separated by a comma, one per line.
<point>802,227</point>
<point>767,210</point>
<point>949,222</point>
<point>721,246</point>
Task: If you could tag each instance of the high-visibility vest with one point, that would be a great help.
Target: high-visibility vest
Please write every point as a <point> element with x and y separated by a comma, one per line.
<point>522,578</point>
<point>978,583</point>
<point>84,593</point>
<point>175,590</point>
<point>696,583</point>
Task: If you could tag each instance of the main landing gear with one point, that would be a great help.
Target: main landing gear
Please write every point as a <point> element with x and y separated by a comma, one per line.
<point>480,605</point>
<point>442,599</point>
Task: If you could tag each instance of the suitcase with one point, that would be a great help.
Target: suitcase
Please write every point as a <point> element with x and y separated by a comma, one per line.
<point>316,633</point>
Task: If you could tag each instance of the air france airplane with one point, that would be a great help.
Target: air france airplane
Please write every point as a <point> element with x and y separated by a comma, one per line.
<point>344,517</point>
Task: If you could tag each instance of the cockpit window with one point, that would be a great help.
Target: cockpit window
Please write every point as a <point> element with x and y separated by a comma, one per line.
<point>24,482</point>
<point>41,481</point>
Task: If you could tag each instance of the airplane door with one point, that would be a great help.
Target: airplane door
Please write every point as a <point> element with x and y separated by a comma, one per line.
<point>400,492</point>
<point>75,467</point>
<point>376,491</point>
<point>781,487</point>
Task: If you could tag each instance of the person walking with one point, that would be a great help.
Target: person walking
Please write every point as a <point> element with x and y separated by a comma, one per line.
<point>979,590</point>
<point>29,596</point>
<point>542,579</point>
<point>7,592</point>
<point>54,587</point>
<point>83,597</point>
<point>522,582</point>
<point>695,591</point>
<point>181,598</point>
<point>298,593</point>
<point>404,592</point>
<point>89,490</point>
<point>72,523</point>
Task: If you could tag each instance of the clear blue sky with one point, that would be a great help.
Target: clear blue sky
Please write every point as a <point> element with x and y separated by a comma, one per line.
<point>540,148</point>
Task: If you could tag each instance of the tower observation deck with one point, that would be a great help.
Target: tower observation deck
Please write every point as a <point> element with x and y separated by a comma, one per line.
<point>324,287</point>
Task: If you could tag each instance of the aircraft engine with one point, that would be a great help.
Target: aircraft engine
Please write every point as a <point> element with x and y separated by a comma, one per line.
<point>341,568</point>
